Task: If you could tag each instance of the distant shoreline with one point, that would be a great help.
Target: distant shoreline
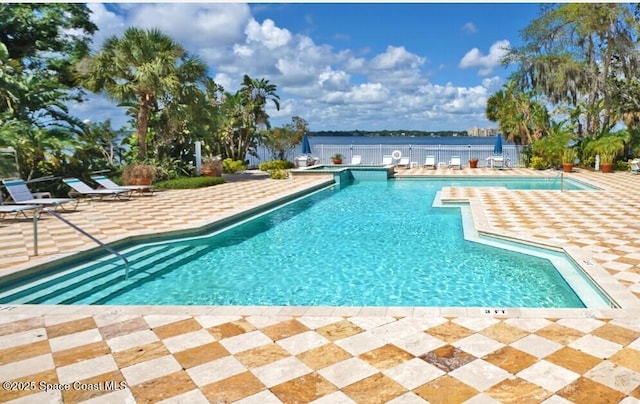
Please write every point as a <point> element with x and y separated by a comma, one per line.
<point>388,133</point>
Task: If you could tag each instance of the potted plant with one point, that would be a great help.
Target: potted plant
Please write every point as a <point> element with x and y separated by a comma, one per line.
<point>211,166</point>
<point>138,174</point>
<point>473,162</point>
<point>569,156</point>
<point>336,158</point>
<point>607,147</point>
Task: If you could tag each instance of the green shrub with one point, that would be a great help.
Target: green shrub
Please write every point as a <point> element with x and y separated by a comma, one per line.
<point>230,166</point>
<point>621,165</point>
<point>538,163</point>
<point>189,183</point>
<point>278,174</point>
<point>275,165</point>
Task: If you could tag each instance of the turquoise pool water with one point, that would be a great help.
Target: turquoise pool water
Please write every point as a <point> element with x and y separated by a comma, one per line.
<point>375,243</point>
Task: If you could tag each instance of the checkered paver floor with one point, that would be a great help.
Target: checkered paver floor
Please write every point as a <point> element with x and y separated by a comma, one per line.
<point>108,354</point>
<point>220,358</point>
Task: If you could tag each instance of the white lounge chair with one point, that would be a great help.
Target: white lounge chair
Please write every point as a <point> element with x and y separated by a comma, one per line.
<point>22,196</point>
<point>430,162</point>
<point>404,162</point>
<point>635,166</point>
<point>455,162</point>
<point>82,189</point>
<point>498,162</point>
<point>356,159</point>
<point>387,160</point>
<point>106,183</point>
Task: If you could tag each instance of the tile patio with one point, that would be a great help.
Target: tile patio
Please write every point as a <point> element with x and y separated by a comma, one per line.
<point>103,354</point>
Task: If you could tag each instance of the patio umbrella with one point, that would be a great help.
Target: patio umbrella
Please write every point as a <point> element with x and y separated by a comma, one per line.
<point>306,146</point>
<point>497,148</point>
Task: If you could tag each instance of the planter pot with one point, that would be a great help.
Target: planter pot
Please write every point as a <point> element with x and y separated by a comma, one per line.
<point>211,172</point>
<point>567,167</point>
<point>336,161</point>
<point>606,167</point>
<point>473,163</point>
<point>141,181</point>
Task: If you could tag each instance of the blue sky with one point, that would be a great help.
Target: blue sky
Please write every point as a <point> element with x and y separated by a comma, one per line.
<point>366,66</point>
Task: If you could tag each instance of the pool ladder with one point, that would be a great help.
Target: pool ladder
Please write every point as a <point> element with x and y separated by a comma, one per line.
<point>78,229</point>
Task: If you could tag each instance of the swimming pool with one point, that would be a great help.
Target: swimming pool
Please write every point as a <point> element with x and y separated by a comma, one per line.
<point>377,243</point>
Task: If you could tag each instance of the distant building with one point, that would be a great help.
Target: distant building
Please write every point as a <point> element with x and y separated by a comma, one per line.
<point>476,131</point>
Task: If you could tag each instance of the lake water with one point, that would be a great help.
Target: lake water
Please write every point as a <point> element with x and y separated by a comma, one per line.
<point>404,140</point>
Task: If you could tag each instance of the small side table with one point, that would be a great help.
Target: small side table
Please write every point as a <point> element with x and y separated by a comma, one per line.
<point>413,164</point>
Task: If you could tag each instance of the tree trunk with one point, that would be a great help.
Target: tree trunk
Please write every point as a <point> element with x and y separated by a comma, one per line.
<point>142,126</point>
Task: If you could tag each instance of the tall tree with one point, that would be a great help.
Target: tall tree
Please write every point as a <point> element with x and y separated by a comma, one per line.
<point>256,93</point>
<point>143,67</point>
<point>39,45</point>
<point>42,42</point>
<point>572,50</point>
<point>522,118</point>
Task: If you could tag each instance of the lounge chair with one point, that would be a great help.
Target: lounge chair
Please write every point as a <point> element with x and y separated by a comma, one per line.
<point>404,162</point>
<point>635,166</point>
<point>455,162</point>
<point>106,183</point>
<point>356,159</point>
<point>22,196</point>
<point>82,189</point>
<point>17,209</point>
<point>387,160</point>
<point>430,162</point>
<point>498,162</point>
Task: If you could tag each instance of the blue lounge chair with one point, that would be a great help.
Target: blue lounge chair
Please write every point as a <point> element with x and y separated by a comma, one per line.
<point>17,209</point>
<point>22,196</point>
<point>106,183</point>
<point>82,189</point>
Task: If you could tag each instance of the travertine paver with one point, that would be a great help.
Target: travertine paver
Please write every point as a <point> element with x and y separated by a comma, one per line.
<point>298,354</point>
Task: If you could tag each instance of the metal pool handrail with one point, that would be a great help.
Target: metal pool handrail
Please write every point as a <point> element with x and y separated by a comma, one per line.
<point>78,229</point>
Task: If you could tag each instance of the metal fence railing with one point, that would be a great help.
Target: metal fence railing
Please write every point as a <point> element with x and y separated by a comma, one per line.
<point>373,153</point>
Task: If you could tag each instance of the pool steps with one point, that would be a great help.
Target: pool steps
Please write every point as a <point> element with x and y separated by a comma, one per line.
<point>72,287</point>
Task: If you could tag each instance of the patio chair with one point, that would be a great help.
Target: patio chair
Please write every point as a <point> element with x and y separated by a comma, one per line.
<point>106,183</point>
<point>635,166</point>
<point>356,159</point>
<point>22,196</point>
<point>404,162</point>
<point>455,162</point>
<point>430,162</point>
<point>17,209</point>
<point>84,190</point>
<point>387,160</point>
<point>498,162</point>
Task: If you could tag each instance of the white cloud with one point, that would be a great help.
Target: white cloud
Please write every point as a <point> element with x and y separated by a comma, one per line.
<point>108,22</point>
<point>331,89</point>
<point>213,25</point>
<point>470,28</point>
<point>485,63</point>
<point>267,34</point>
<point>334,80</point>
<point>396,57</point>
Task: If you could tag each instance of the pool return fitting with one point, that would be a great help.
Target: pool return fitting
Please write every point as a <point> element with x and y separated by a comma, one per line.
<point>36,216</point>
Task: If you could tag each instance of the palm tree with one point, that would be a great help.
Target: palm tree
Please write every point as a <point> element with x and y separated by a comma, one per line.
<point>521,117</point>
<point>141,68</point>
<point>256,93</point>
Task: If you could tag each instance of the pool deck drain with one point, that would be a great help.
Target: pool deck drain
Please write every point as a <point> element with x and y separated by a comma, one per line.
<point>339,354</point>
